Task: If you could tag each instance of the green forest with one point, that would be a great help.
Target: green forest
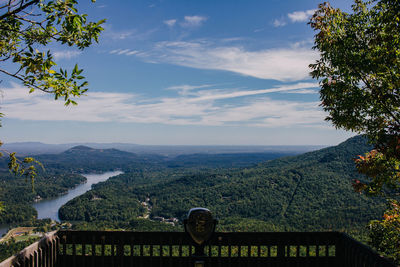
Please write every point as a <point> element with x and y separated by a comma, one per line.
<point>245,192</point>
<point>17,193</point>
<point>308,192</point>
<point>63,171</point>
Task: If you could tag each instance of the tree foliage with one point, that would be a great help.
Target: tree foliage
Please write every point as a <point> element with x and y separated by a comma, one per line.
<point>27,28</point>
<point>385,235</point>
<point>308,192</point>
<point>359,74</point>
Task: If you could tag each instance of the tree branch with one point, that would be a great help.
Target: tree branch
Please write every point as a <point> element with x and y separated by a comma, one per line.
<point>22,7</point>
<point>12,75</point>
<point>27,20</point>
<point>369,85</point>
<point>21,79</point>
<point>5,59</point>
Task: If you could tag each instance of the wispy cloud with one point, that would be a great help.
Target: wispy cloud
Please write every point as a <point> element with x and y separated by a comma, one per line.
<point>279,22</point>
<point>301,16</point>
<point>187,22</point>
<point>302,91</point>
<point>120,35</point>
<point>131,52</point>
<point>203,107</point>
<point>127,52</point>
<point>296,16</point>
<point>66,54</point>
<point>283,64</point>
<point>185,88</point>
<point>193,21</point>
<point>170,22</point>
<point>218,94</point>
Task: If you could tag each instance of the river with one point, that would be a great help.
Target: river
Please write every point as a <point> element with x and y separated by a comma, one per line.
<point>48,208</point>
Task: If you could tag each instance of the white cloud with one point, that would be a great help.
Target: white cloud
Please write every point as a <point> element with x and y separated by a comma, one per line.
<point>66,54</point>
<point>122,35</point>
<point>114,34</point>
<point>193,21</point>
<point>130,53</point>
<point>301,16</point>
<point>125,35</point>
<point>279,22</point>
<point>170,22</point>
<point>283,64</point>
<point>124,51</point>
<point>302,91</point>
<point>304,43</point>
<point>203,107</point>
<point>127,52</point>
<point>207,95</point>
<point>185,88</point>
<point>115,51</point>
<point>297,16</point>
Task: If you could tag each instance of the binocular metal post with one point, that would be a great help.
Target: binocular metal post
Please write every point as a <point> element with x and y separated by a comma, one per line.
<point>200,225</point>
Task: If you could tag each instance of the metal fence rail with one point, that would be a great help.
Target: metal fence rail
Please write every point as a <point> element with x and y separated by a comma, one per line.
<point>100,248</point>
<point>42,253</point>
<point>124,248</point>
<point>357,254</point>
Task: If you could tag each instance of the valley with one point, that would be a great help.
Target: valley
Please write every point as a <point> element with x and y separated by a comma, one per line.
<point>245,191</point>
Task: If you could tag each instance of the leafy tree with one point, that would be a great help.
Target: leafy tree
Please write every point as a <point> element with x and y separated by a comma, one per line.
<point>384,234</point>
<point>26,29</point>
<point>359,73</point>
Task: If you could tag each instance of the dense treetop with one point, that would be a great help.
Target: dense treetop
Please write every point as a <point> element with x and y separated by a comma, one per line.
<point>359,74</point>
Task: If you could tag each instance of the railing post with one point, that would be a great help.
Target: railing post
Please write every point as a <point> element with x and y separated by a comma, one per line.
<point>340,250</point>
<point>120,252</point>
<point>281,251</point>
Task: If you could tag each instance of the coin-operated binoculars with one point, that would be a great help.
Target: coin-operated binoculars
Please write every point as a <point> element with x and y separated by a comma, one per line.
<point>200,225</point>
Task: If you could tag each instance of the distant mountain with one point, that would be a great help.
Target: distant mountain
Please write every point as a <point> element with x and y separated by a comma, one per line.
<point>225,160</point>
<point>79,149</point>
<point>37,148</point>
<point>83,158</point>
<point>34,148</point>
<point>311,191</point>
<point>79,158</point>
<point>85,150</point>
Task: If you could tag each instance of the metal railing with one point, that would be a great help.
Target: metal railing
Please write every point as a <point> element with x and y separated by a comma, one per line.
<point>358,254</point>
<point>125,248</point>
<point>42,253</point>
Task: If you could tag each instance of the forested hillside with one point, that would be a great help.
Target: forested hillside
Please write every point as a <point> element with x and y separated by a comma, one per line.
<point>17,193</point>
<point>85,159</point>
<point>61,172</point>
<point>311,191</point>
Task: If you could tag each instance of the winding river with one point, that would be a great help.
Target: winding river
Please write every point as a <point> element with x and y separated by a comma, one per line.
<point>49,208</point>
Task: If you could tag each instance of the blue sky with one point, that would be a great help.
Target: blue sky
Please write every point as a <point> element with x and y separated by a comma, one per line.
<point>185,72</point>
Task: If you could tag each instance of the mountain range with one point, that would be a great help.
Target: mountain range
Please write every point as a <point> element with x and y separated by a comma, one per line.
<point>36,148</point>
<point>311,191</point>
